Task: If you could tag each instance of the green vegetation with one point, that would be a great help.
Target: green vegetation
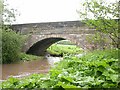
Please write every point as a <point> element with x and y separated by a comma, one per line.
<point>94,70</point>
<point>11,42</point>
<point>104,17</point>
<point>98,69</point>
<point>8,14</point>
<point>11,46</point>
<point>65,42</point>
<point>60,49</point>
<point>26,57</point>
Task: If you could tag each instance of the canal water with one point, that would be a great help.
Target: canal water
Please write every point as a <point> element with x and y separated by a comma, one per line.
<point>22,69</point>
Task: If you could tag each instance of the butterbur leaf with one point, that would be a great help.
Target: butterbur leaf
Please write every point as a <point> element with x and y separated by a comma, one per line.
<point>98,82</point>
<point>105,73</point>
<point>109,85</point>
<point>114,77</point>
<point>71,87</point>
<point>102,63</point>
<point>13,80</point>
<point>101,68</point>
<point>68,79</point>
<point>111,70</point>
<point>65,85</point>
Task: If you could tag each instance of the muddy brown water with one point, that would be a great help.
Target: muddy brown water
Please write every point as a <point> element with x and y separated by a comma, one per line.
<point>21,69</point>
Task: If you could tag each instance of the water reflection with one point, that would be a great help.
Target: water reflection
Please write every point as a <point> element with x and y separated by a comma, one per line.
<point>22,69</point>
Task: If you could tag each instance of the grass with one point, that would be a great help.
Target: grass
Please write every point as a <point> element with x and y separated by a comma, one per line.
<point>55,49</point>
<point>60,49</point>
<point>27,57</point>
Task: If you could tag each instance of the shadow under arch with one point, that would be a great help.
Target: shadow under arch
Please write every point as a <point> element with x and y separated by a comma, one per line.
<point>39,48</point>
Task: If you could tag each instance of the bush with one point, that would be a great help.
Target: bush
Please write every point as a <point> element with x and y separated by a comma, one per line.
<point>98,69</point>
<point>11,46</point>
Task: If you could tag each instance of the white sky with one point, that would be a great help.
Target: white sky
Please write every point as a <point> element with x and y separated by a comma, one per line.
<point>32,11</point>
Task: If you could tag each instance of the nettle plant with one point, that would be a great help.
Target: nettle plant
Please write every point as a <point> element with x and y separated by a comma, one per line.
<point>104,17</point>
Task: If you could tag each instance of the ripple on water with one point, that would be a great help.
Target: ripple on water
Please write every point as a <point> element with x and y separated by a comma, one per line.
<point>22,69</point>
<point>52,60</point>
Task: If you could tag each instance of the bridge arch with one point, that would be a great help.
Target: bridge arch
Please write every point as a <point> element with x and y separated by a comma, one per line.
<point>37,44</point>
<point>74,31</point>
<point>39,48</point>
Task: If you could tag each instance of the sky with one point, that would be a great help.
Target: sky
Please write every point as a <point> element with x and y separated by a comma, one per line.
<point>32,11</point>
<point>36,11</point>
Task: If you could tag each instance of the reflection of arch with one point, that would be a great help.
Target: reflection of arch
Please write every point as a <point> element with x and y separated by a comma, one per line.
<point>37,44</point>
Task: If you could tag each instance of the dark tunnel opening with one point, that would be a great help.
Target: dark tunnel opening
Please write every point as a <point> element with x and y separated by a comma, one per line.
<point>39,48</point>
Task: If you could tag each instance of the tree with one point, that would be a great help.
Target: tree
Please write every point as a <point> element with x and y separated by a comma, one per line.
<point>104,17</point>
<point>8,13</point>
<point>11,41</point>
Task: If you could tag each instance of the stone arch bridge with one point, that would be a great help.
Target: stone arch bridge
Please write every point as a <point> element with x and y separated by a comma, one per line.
<point>43,35</point>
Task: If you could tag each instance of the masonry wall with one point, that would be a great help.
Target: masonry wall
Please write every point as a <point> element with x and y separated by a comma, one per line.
<point>74,31</point>
<point>69,27</point>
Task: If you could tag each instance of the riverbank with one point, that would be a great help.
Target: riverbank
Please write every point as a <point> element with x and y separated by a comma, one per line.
<point>62,50</point>
<point>98,69</point>
<point>55,50</point>
<point>26,57</point>
<point>23,69</point>
<point>27,65</point>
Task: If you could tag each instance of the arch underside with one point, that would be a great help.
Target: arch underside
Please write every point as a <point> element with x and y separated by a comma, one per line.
<point>37,44</point>
<point>40,47</point>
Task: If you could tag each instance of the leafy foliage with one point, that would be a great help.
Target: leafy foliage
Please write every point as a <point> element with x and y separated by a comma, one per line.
<point>60,49</point>
<point>65,42</point>
<point>104,17</point>
<point>11,42</point>
<point>26,57</point>
<point>11,46</point>
<point>8,14</point>
<point>94,70</point>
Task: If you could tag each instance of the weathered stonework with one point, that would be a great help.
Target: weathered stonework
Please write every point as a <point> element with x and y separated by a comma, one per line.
<point>42,35</point>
